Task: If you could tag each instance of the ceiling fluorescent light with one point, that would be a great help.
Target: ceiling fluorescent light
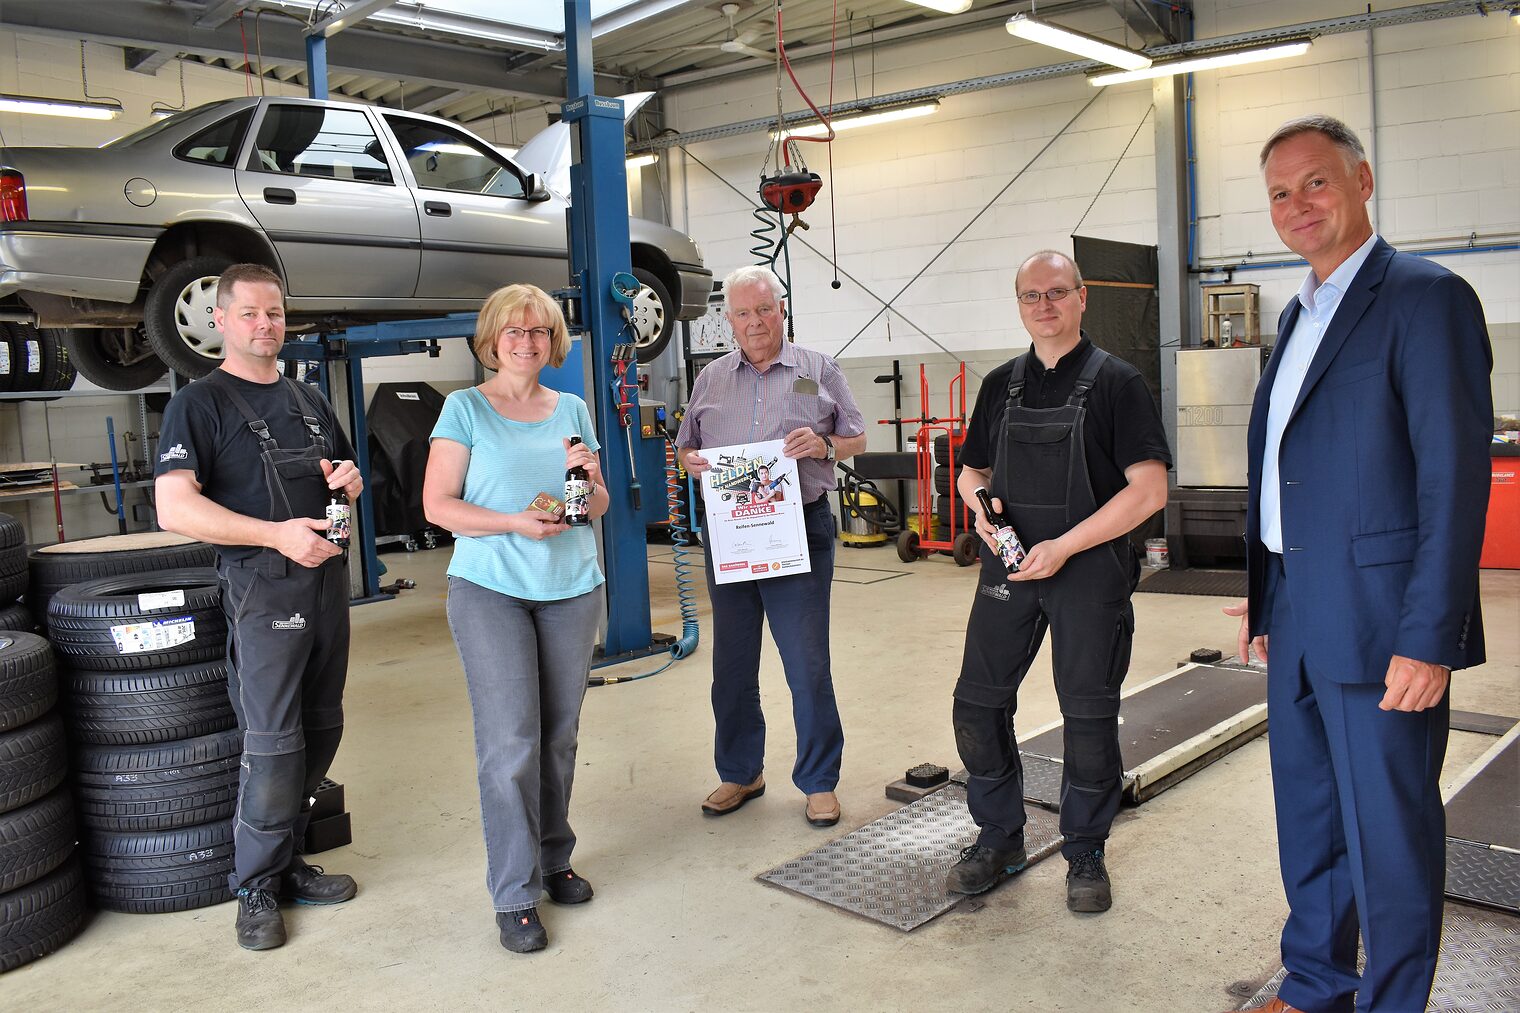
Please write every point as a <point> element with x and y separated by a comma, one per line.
<point>639,161</point>
<point>59,107</point>
<point>1210,62</point>
<point>864,118</point>
<point>1047,34</point>
<point>945,6</point>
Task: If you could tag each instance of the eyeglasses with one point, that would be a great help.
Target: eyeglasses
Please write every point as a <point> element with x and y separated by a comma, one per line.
<point>518,333</point>
<point>1051,294</point>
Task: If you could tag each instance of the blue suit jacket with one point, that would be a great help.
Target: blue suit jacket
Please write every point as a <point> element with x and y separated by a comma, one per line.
<point>1385,474</point>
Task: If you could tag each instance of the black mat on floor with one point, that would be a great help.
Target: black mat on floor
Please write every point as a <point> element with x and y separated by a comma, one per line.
<point>1486,810</point>
<point>1225,583</point>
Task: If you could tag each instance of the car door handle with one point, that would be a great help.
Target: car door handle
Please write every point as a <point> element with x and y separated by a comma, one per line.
<point>279,195</point>
<point>437,208</point>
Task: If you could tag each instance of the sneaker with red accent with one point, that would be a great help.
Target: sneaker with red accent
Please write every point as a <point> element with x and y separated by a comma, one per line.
<point>568,888</point>
<point>521,931</point>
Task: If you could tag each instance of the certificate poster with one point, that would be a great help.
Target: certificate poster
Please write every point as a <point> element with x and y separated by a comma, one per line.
<point>754,513</point>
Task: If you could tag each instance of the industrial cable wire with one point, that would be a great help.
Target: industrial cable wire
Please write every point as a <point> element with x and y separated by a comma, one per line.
<point>1115,169</point>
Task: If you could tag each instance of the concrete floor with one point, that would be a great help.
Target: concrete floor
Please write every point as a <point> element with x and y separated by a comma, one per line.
<point>679,921</point>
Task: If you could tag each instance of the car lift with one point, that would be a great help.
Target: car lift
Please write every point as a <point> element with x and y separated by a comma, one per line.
<point>599,245</point>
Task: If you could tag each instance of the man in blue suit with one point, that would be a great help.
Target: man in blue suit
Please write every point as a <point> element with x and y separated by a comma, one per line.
<point>1369,484</point>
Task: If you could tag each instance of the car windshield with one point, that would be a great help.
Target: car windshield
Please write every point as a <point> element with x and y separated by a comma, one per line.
<point>153,129</point>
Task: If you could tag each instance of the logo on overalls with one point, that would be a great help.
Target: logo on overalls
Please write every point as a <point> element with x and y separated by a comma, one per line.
<point>998,591</point>
<point>295,622</point>
<point>174,453</point>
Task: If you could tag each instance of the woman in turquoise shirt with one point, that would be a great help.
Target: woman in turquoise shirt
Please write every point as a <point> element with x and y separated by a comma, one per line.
<point>525,598</point>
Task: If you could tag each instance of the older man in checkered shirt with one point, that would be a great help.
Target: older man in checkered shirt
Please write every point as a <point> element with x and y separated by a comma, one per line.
<point>771,389</point>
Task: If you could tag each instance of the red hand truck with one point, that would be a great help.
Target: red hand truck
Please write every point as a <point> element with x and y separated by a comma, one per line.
<point>964,544</point>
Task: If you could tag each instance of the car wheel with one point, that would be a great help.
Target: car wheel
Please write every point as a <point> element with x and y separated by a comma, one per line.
<point>178,316</point>
<point>115,358</point>
<point>654,315</point>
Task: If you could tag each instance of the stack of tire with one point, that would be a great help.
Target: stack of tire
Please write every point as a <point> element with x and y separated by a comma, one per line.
<point>156,748</point>
<point>942,482</point>
<point>42,893</point>
<point>13,579</point>
<point>33,360</point>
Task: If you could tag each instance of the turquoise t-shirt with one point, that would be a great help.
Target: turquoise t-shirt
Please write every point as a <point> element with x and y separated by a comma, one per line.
<point>510,463</point>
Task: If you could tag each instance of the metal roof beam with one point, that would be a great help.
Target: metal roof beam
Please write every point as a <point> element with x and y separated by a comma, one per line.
<point>347,17</point>
<point>145,61</point>
<point>221,12</point>
<point>435,99</point>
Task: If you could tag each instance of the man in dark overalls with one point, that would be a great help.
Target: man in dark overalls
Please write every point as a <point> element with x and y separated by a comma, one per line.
<point>1068,441</point>
<point>247,459</point>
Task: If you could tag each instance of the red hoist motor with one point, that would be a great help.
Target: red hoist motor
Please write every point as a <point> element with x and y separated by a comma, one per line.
<point>791,192</point>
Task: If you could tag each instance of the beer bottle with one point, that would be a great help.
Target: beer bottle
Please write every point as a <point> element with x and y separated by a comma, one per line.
<point>577,493</point>
<point>340,515</point>
<point>1009,549</point>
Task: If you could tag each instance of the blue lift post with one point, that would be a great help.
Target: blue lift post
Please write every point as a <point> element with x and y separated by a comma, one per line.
<point>598,250</point>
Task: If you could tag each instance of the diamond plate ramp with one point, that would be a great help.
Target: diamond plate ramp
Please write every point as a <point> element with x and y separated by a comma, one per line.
<point>1482,875</point>
<point>892,870</point>
<point>1479,969</point>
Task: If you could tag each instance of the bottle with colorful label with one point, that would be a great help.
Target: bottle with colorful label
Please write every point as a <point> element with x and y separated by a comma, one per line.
<point>577,493</point>
<point>1009,549</point>
<point>340,516</point>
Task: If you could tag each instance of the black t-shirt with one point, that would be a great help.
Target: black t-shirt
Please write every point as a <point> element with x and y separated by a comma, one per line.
<point>1123,425</point>
<point>203,432</point>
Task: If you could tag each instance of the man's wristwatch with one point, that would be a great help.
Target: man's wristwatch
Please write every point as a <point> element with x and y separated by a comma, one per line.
<point>828,448</point>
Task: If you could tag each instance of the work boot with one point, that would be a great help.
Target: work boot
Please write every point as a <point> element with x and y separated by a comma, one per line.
<point>308,884</point>
<point>1087,886</point>
<point>568,888</point>
<point>259,925</point>
<point>521,931</point>
<point>981,868</point>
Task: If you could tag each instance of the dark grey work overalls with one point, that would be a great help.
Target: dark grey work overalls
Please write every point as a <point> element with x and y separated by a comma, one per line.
<point>287,652</point>
<point>1041,477</point>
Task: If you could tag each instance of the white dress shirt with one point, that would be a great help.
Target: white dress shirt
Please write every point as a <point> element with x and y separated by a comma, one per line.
<point>1320,300</point>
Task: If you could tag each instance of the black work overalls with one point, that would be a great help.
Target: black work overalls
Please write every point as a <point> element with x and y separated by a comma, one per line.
<point>287,656</point>
<point>1041,476</point>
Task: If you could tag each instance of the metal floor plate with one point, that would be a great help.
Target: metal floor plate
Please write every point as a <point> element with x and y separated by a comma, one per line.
<point>1479,970</point>
<point>1483,876</point>
<point>892,870</point>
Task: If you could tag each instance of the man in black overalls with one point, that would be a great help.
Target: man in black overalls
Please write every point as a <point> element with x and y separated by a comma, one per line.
<point>246,462</point>
<point>1068,441</point>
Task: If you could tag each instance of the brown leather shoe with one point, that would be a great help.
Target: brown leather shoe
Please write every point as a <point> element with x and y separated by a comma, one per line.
<point>1275,1006</point>
<point>729,796</point>
<point>822,809</point>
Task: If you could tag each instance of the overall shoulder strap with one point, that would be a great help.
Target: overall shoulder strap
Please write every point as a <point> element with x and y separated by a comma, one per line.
<point>1016,375</point>
<point>311,410</point>
<point>240,403</point>
<point>1088,376</point>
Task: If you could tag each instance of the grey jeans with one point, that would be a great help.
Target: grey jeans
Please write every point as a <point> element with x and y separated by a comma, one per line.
<point>526,664</point>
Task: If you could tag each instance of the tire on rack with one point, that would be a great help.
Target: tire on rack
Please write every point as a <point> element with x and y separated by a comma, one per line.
<point>137,708</point>
<point>177,315</point>
<point>44,360</point>
<point>113,358</point>
<point>171,870</point>
<point>41,916</point>
<point>54,567</point>
<point>653,308</point>
<point>12,362</point>
<point>137,621</point>
<point>33,761</point>
<point>28,682</point>
<point>36,839</point>
<point>62,374</point>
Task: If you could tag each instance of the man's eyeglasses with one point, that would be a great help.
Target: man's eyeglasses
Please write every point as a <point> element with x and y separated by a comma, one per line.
<point>1051,294</point>
<point>518,333</point>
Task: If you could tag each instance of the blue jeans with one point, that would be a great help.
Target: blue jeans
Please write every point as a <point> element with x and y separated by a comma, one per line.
<point>797,607</point>
<point>525,663</point>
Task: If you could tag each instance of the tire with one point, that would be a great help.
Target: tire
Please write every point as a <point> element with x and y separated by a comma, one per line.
<point>54,567</point>
<point>62,374</point>
<point>177,316</point>
<point>167,761</point>
<point>164,804</point>
<point>172,870</point>
<point>134,708</point>
<point>13,572</point>
<point>35,839</point>
<point>113,358</point>
<point>907,546</point>
<point>33,759</point>
<point>11,532</point>
<point>16,618</point>
<point>28,683</point>
<point>43,360</point>
<point>653,307</point>
<point>12,362</point>
<point>966,549</point>
<point>41,916</point>
<point>96,624</point>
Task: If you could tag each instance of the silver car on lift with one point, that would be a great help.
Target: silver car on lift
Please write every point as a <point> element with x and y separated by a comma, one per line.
<point>367,213</point>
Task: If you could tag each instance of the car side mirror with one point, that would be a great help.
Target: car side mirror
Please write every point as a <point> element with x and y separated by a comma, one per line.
<point>536,188</point>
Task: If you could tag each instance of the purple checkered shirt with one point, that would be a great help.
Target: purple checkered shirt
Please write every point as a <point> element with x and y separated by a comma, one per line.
<point>733,403</point>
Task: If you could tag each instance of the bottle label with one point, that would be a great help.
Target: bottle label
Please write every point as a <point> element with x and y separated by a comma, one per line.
<point>1010,550</point>
<point>339,517</point>
<point>577,498</point>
